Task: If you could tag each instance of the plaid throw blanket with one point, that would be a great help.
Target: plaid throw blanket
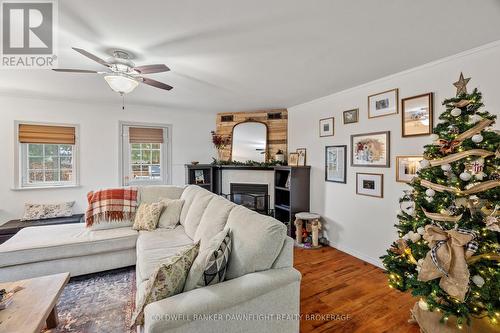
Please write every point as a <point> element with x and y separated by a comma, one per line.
<point>114,204</point>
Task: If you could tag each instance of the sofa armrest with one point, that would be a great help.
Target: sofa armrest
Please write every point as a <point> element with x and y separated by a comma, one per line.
<point>183,308</point>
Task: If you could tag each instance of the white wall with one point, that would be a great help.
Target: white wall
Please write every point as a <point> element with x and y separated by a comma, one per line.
<point>360,225</point>
<point>99,137</point>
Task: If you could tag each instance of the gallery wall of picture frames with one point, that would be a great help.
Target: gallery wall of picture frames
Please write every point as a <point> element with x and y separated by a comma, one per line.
<point>373,149</point>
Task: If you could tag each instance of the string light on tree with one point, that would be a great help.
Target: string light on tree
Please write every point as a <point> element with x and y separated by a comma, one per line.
<point>455,199</point>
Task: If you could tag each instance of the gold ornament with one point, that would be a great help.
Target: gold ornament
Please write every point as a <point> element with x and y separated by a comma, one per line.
<point>403,250</point>
<point>461,85</point>
<point>492,222</point>
<point>462,103</point>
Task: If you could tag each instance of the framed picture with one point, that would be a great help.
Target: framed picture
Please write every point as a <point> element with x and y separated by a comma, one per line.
<point>199,178</point>
<point>302,156</point>
<point>326,127</point>
<point>351,116</point>
<point>371,149</point>
<point>336,164</point>
<point>407,167</point>
<point>370,184</point>
<point>417,114</point>
<point>383,104</point>
<point>293,159</point>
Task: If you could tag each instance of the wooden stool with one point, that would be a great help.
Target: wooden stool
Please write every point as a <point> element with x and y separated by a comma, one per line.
<point>312,225</point>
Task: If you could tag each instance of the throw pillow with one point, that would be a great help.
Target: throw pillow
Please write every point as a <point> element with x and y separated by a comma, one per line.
<point>147,216</point>
<point>47,211</point>
<point>166,280</point>
<point>210,265</point>
<point>171,214</point>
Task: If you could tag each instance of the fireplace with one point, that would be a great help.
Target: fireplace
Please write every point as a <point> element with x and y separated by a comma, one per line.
<point>252,196</point>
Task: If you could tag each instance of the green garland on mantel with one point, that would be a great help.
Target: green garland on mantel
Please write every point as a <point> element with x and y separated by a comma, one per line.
<point>247,163</point>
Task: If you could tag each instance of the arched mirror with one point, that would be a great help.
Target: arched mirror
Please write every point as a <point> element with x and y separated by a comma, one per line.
<point>249,142</point>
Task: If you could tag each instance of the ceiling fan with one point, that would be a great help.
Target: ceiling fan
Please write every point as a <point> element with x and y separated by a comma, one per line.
<point>122,75</point>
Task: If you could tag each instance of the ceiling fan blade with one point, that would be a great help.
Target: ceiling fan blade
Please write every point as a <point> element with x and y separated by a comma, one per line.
<point>91,56</point>
<point>156,84</point>
<point>150,69</point>
<point>68,70</point>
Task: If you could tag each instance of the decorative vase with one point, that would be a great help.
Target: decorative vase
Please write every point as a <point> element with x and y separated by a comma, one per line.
<point>220,154</point>
<point>279,157</point>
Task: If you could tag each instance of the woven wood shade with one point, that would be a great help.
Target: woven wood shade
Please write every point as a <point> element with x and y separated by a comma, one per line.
<point>145,135</point>
<point>30,133</point>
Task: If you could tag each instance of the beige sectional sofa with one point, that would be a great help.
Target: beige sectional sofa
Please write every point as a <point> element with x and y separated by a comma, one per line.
<point>261,291</point>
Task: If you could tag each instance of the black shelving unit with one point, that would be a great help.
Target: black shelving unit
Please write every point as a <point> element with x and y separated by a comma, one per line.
<point>207,175</point>
<point>291,193</point>
<point>291,187</point>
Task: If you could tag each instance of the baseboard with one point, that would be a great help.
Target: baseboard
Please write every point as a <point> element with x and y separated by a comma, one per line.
<point>374,261</point>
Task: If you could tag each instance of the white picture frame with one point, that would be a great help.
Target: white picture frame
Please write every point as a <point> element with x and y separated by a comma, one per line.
<point>370,184</point>
<point>326,127</point>
<point>383,104</point>
<point>407,167</point>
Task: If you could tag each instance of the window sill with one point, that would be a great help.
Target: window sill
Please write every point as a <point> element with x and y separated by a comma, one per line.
<point>43,187</point>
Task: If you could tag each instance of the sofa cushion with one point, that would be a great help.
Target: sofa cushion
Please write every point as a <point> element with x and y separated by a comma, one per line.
<point>256,241</point>
<point>150,194</point>
<point>188,196</point>
<point>34,244</point>
<point>196,210</point>
<point>166,280</point>
<point>155,247</point>
<point>210,265</point>
<point>213,220</point>
<point>171,214</point>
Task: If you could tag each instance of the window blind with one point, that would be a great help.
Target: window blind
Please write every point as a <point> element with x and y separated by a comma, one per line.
<point>145,135</point>
<point>32,133</point>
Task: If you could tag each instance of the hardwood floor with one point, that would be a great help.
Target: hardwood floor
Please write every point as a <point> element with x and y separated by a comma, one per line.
<point>352,292</point>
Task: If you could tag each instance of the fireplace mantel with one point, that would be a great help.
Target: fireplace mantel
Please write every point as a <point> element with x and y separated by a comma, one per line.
<point>242,167</point>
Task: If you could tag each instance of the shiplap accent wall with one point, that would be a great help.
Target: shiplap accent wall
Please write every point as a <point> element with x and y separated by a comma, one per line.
<point>276,128</point>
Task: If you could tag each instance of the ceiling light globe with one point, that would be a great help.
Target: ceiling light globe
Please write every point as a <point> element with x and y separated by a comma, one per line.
<point>121,84</point>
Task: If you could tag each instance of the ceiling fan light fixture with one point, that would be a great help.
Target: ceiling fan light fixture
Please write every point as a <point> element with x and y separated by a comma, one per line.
<point>120,83</point>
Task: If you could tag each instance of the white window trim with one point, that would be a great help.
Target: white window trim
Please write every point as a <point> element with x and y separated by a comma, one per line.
<point>18,165</point>
<point>166,159</point>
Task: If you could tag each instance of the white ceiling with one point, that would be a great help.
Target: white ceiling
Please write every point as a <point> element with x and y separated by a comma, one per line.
<point>234,55</point>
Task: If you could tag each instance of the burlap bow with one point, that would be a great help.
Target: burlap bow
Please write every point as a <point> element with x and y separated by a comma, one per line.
<point>448,146</point>
<point>447,259</point>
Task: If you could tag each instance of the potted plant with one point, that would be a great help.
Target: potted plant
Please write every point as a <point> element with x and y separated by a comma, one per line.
<point>220,143</point>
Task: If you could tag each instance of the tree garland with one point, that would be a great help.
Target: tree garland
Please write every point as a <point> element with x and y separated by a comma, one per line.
<point>458,188</point>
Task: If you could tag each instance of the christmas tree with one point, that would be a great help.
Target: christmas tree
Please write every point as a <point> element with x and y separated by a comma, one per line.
<point>448,251</point>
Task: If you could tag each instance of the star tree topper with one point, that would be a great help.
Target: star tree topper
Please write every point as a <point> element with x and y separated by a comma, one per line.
<point>461,85</point>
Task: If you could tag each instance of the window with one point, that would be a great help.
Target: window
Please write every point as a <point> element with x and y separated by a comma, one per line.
<point>47,155</point>
<point>145,161</point>
<point>144,155</point>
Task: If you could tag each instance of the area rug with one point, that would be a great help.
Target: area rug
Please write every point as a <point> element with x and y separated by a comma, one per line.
<point>97,303</point>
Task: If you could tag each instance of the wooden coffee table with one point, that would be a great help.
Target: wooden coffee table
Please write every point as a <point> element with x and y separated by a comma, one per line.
<point>34,306</point>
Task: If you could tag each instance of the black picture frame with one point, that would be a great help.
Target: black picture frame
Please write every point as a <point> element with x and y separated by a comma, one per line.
<point>344,178</point>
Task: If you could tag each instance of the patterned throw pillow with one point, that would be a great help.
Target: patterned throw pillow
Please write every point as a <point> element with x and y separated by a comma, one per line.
<point>215,269</point>
<point>171,214</point>
<point>147,216</point>
<point>47,211</point>
<point>166,280</point>
<point>210,265</point>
